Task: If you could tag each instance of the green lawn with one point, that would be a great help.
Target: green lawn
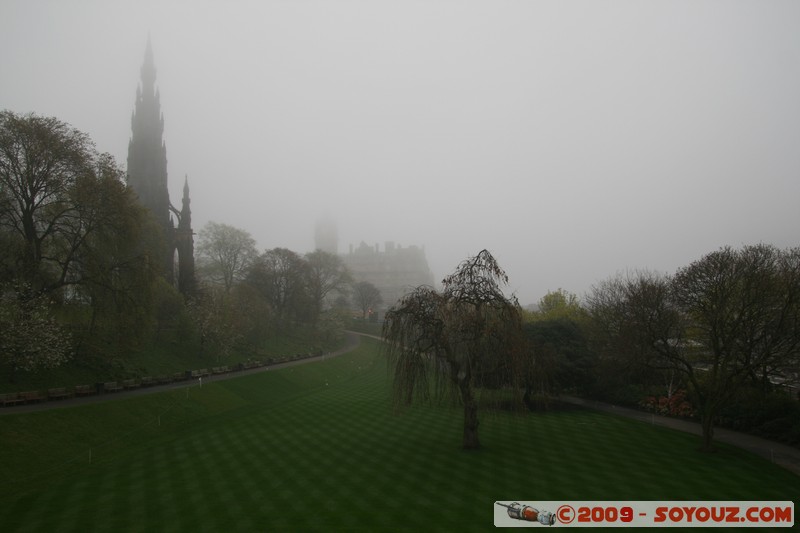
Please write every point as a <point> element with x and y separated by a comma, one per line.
<point>317,447</point>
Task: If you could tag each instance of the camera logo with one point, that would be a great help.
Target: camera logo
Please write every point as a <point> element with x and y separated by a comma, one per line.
<point>529,514</point>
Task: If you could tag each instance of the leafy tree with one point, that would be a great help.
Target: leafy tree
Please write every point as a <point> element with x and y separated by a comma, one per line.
<point>456,340</point>
<point>114,269</point>
<point>366,296</point>
<point>41,159</point>
<point>224,254</point>
<point>559,357</point>
<point>560,304</point>
<point>70,229</point>
<point>326,273</point>
<point>62,205</point>
<point>559,353</point>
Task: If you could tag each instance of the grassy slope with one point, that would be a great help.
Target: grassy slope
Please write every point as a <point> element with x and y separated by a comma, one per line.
<point>316,447</point>
<point>163,357</point>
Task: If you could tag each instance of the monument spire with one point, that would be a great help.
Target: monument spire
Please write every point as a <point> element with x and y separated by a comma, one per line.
<point>147,177</point>
<point>147,152</point>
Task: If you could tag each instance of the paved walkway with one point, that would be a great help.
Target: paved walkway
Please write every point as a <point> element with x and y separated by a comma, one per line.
<point>780,454</point>
<point>352,341</point>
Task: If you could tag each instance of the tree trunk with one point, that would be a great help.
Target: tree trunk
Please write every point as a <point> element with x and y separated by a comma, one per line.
<point>470,441</point>
<point>707,424</point>
<point>526,397</point>
<point>709,407</point>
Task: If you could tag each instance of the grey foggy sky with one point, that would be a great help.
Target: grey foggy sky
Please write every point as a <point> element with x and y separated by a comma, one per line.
<point>573,139</point>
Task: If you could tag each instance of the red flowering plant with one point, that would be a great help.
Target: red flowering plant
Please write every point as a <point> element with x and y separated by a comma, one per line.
<point>674,405</point>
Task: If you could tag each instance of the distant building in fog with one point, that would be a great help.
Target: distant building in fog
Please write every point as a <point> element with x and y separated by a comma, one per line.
<point>326,236</point>
<point>394,271</point>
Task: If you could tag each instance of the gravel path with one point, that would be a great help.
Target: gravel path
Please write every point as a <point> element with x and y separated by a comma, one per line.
<point>352,342</point>
<point>781,454</point>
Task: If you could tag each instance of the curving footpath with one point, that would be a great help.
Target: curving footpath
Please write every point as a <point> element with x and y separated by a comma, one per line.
<point>781,454</point>
<point>353,340</point>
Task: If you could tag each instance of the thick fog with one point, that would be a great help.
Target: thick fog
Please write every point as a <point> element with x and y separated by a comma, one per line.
<point>573,139</point>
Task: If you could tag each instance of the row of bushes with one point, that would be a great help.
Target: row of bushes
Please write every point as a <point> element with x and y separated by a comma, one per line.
<point>773,415</point>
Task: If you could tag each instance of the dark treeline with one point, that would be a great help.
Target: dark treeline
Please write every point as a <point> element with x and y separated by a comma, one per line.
<point>246,297</point>
<point>80,279</point>
<point>80,266</point>
<point>718,340</point>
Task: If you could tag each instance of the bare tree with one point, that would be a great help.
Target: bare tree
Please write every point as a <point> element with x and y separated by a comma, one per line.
<point>743,313</point>
<point>279,275</point>
<point>456,340</point>
<point>731,317</point>
<point>225,253</point>
<point>366,296</point>
<point>637,330</point>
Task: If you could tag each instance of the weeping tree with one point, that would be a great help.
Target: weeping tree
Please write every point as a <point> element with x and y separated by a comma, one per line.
<point>456,341</point>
